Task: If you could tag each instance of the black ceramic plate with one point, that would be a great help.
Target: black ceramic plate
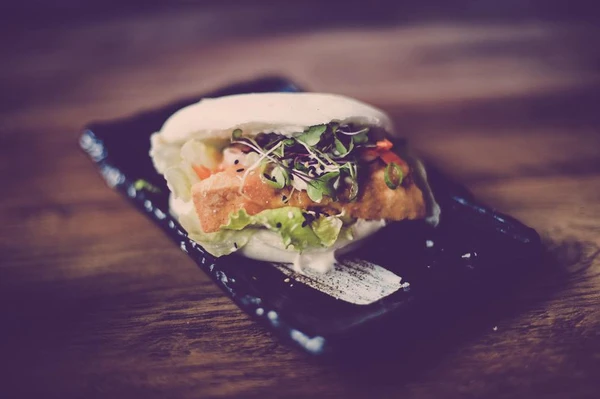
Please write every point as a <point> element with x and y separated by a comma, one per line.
<point>473,254</point>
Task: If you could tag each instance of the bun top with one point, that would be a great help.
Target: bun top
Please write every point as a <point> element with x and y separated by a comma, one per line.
<point>284,113</point>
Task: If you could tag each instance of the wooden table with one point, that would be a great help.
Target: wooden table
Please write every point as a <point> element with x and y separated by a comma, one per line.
<point>508,106</point>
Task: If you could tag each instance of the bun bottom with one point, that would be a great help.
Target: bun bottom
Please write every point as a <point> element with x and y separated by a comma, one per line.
<point>267,246</point>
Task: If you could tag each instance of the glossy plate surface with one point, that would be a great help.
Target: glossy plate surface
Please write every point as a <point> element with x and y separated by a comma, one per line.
<point>473,255</point>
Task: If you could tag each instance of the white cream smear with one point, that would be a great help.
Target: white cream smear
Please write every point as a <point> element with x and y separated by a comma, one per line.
<point>352,280</point>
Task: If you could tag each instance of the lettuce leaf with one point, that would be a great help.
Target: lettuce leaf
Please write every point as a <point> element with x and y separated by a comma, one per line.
<point>327,229</point>
<point>288,223</point>
<point>179,174</point>
<point>218,243</point>
<point>222,242</point>
<point>238,221</point>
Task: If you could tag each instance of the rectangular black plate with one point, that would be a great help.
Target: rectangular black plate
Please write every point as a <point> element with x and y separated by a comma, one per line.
<point>476,252</point>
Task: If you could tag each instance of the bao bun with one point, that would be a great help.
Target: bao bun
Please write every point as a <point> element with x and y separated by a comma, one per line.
<point>283,113</point>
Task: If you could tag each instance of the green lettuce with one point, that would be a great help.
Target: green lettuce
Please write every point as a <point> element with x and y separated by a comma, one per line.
<point>327,229</point>
<point>222,242</point>
<point>218,243</point>
<point>288,222</point>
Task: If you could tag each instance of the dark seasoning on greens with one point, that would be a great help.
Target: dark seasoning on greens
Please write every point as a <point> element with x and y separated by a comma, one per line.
<point>325,157</point>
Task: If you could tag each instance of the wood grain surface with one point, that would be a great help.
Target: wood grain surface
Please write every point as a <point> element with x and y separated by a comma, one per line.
<point>96,302</point>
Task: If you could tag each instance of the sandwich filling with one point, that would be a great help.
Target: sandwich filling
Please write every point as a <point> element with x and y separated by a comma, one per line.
<point>315,191</point>
<point>287,177</point>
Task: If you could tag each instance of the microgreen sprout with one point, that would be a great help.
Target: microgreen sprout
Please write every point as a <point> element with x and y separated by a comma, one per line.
<point>323,160</point>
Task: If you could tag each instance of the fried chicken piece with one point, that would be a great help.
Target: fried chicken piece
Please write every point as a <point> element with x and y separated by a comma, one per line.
<point>216,197</point>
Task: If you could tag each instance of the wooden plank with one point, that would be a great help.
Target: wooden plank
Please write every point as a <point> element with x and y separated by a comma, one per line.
<point>508,107</point>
